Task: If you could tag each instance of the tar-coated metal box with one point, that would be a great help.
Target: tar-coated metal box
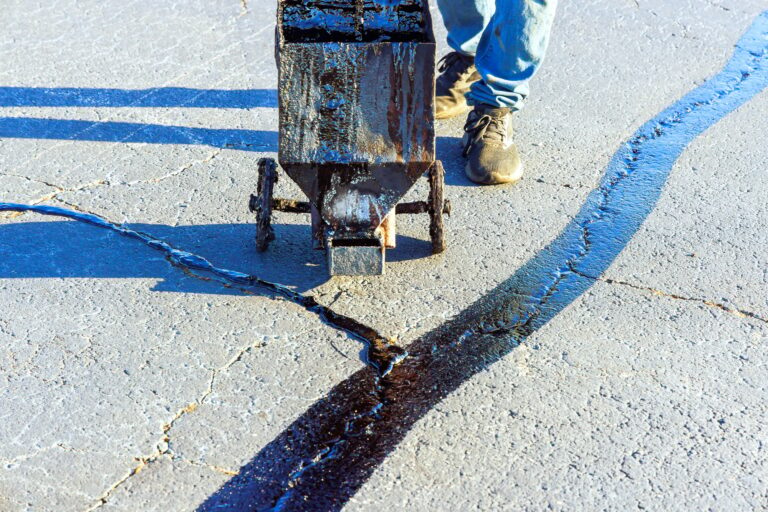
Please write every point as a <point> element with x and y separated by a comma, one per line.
<point>356,91</point>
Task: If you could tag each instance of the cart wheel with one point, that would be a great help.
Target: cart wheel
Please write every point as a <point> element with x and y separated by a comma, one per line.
<point>436,206</point>
<point>261,203</point>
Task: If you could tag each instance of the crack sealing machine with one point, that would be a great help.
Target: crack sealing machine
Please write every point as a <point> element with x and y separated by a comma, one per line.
<point>356,87</point>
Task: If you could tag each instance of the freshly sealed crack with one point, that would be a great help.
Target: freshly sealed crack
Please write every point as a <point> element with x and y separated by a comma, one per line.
<point>326,455</point>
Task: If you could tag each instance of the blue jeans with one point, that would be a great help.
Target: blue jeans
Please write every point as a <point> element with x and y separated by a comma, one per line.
<point>508,39</point>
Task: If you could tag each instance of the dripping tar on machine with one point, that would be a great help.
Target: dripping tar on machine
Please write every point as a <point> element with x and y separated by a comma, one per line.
<point>357,126</point>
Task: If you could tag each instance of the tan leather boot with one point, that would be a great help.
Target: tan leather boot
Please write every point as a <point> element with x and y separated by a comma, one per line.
<point>457,74</point>
<point>492,157</point>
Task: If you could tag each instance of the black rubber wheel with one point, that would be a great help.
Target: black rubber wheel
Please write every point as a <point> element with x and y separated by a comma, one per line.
<point>436,207</point>
<point>261,203</point>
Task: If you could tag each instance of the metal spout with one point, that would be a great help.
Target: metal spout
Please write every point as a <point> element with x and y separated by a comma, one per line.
<point>355,256</point>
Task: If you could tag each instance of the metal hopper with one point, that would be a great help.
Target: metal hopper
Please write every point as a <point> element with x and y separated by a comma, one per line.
<point>356,95</point>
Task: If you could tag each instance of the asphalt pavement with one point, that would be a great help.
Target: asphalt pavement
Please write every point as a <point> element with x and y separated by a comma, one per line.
<point>594,338</point>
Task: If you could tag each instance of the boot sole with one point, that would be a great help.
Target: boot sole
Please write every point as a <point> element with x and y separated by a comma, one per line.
<point>513,178</point>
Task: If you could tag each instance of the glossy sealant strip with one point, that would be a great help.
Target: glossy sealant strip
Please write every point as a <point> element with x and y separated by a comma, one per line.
<point>326,455</point>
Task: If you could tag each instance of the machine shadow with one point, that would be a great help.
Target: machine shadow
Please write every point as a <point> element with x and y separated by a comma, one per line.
<point>76,250</point>
<point>113,131</point>
<point>167,97</point>
<point>158,97</point>
<point>449,150</point>
<point>263,141</point>
<point>124,132</point>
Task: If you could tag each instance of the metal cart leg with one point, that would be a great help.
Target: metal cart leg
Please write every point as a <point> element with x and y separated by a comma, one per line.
<point>261,203</point>
<point>436,207</point>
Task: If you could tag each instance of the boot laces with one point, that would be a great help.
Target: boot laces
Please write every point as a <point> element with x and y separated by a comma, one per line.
<point>488,126</point>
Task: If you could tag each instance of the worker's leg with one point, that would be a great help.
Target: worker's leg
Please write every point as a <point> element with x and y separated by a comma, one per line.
<point>510,51</point>
<point>466,21</point>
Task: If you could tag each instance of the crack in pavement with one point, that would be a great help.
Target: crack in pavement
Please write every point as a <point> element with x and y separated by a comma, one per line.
<point>103,182</point>
<point>32,180</point>
<point>382,354</point>
<point>186,167</point>
<point>563,185</point>
<point>737,312</point>
<point>163,447</point>
<point>27,456</point>
<point>53,195</point>
<point>212,467</point>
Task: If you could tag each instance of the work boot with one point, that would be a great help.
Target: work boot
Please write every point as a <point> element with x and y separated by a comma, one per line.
<point>492,157</point>
<point>457,74</point>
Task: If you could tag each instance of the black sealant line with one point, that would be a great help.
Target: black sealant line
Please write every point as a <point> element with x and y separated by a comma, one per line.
<point>327,454</point>
<point>381,354</point>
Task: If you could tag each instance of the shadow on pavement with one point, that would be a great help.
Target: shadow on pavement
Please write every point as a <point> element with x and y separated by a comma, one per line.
<point>160,97</point>
<point>75,250</point>
<point>113,131</point>
<point>155,97</point>
<point>449,150</point>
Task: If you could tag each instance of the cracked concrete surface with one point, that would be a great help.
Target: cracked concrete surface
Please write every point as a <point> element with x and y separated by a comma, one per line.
<point>668,417</point>
<point>707,239</point>
<point>134,369</point>
<point>126,379</point>
<point>740,313</point>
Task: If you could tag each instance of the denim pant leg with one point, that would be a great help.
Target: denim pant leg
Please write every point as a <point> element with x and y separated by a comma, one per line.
<point>466,20</point>
<point>510,51</point>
